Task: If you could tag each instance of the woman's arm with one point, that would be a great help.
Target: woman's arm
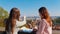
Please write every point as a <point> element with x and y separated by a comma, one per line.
<point>35,28</point>
<point>18,23</point>
<point>13,23</point>
<point>24,29</point>
<point>41,26</point>
<point>12,30</point>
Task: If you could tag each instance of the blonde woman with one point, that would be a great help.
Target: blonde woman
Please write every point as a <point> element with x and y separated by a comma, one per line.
<point>45,25</point>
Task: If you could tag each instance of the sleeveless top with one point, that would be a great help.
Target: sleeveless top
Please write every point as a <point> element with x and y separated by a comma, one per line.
<point>18,23</point>
<point>16,28</point>
<point>44,27</point>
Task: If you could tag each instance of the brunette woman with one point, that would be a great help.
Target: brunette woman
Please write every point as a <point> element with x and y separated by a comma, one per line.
<point>45,25</point>
<point>13,21</point>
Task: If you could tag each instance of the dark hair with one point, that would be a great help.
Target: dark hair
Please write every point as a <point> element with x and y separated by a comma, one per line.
<point>45,15</point>
<point>43,11</point>
<point>12,11</point>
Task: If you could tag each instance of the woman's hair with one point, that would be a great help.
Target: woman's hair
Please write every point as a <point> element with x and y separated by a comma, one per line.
<point>45,15</point>
<point>12,12</point>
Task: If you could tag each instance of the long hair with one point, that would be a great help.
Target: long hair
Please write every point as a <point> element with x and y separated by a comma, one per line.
<point>11,16</point>
<point>12,11</point>
<point>45,15</point>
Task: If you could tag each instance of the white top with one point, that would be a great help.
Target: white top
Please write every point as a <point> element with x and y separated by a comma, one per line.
<point>18,23</point>
<point>49,28</point>
<point>44,27</point>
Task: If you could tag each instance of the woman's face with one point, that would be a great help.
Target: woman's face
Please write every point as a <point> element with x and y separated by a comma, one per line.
<point>40,15</point>
<point>15,13</point>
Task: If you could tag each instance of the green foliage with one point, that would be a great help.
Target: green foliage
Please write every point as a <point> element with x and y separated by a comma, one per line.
<point>3,15</point>
<point>58,20</point>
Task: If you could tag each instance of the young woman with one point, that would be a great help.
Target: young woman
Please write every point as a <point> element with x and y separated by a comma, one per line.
<point>45,25</point>
<point>13,21</point>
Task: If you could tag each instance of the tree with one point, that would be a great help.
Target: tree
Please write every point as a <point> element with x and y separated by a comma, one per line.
<point>58,20</point>
<point>3,14</point>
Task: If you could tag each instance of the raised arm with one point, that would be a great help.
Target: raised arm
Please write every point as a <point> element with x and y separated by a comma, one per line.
<point>18,23</point>
<point>21,23</point>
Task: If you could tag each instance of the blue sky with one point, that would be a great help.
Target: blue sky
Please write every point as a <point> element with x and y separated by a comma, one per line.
<point>30,7</point>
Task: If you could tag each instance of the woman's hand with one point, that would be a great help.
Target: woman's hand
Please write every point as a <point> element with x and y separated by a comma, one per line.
<point>35,28</point>
<point>21,29</point>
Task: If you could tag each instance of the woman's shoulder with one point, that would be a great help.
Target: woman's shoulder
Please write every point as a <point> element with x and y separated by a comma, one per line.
<point>43,21</point>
